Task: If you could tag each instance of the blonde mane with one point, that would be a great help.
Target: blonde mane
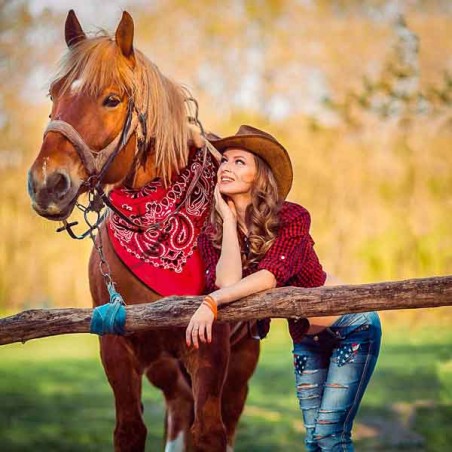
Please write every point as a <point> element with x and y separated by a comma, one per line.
<point>97,63</point>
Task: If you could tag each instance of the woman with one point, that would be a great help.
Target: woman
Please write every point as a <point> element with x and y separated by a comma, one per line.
<point>257,242</point>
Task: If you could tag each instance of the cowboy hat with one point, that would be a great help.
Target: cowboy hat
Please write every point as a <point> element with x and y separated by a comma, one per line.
<point>267,148</point>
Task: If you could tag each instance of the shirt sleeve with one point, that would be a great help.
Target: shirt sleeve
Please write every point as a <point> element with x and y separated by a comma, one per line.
<point>292,253</point>
<point>210,257</point>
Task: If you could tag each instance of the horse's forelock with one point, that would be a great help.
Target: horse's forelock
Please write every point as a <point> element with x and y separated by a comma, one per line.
<point>97,63</point>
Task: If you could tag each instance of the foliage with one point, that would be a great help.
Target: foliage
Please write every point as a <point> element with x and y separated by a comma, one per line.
<point>378,187</point>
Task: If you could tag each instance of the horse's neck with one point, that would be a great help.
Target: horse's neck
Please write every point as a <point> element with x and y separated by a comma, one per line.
<point>146,172</point>
<point>143,174</point>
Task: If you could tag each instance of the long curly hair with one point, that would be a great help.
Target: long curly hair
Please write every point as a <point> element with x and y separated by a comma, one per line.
<point>261,217</point>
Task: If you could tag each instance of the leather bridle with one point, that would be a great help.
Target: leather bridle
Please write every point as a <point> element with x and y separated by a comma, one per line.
<point>96,162</point>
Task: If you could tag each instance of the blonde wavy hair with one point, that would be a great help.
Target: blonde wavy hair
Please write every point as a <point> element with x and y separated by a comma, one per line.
<point>261,216</point>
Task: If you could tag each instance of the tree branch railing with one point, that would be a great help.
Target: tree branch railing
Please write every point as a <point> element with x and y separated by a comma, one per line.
<point>286,302</point>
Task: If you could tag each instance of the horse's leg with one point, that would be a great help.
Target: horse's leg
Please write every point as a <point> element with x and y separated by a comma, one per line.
<point>207,367</point>
<point>122,368</point>
<point>242,363</point>
<point>125,376</point>
<point>168,376</point>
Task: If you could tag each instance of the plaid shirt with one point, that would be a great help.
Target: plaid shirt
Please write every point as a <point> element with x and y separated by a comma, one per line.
<point>291,258</point>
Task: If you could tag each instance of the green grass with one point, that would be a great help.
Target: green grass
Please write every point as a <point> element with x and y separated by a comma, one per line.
<point>54,396</point>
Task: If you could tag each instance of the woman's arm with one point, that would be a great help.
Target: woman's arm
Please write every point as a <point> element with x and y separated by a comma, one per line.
<point>256,282</point>
<point>229,266</point>
<point>200,326</point>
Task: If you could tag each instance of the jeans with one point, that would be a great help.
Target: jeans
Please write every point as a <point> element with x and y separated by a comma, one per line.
<point>332,370</point>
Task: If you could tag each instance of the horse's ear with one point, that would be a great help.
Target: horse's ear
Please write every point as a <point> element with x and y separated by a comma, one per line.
<point>73,32</point>
<point>124,36</point>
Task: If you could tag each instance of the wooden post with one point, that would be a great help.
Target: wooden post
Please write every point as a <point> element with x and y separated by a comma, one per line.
<point>284,302</point>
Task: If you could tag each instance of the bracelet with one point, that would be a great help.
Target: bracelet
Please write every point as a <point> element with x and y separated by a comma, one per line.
<point>210,302</point>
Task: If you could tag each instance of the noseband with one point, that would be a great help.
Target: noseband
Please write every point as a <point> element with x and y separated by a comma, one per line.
<point>96,163</point>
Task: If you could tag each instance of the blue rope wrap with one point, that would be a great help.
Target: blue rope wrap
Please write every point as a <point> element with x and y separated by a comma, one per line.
<point>110,318</point>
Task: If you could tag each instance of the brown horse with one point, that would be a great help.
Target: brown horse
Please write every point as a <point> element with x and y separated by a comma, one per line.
<point>99,79</point>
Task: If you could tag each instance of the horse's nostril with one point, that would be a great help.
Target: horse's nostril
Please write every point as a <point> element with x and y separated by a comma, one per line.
<point>58,184</point>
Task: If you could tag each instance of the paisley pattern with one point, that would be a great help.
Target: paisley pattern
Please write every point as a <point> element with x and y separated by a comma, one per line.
<point>172,218</point>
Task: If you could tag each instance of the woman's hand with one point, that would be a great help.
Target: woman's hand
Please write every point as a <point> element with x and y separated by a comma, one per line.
<point>200,327</point>
<point>226,209</point>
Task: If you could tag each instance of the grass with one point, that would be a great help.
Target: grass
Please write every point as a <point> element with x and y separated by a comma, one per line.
<point>54,396</point>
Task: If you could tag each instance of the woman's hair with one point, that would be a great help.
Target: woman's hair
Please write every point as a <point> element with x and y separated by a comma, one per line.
<point>261,216</point>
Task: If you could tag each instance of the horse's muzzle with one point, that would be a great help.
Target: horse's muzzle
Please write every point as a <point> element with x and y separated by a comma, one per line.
<point>54,197</point>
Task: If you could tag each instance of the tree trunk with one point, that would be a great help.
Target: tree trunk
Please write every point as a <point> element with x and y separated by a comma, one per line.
<point>284,302</point>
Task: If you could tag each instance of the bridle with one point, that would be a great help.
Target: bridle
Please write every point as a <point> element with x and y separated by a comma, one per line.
<point>96,164</point>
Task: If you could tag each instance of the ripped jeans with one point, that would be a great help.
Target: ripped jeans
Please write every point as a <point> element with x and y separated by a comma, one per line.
<point>332,370</point>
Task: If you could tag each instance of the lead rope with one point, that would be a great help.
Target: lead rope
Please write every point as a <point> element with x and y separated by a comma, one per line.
<point>109,318</point>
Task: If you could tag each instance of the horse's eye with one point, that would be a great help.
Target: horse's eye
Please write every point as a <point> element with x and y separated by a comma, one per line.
<point>111,101</point>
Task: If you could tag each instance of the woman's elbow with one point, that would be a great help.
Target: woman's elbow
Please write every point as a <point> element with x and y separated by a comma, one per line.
<point>273,282</point>
<point>270,280</point>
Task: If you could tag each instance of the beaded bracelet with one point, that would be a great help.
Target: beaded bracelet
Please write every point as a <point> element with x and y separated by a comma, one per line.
<point>210,302</point>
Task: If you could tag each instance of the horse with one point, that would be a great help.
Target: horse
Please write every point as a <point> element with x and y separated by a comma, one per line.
<point>117,121</point>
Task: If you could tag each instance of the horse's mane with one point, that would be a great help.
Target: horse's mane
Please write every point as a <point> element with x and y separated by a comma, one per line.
<point>97,63</point>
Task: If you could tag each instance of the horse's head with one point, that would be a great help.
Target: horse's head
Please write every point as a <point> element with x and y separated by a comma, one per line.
<point>112,109</point>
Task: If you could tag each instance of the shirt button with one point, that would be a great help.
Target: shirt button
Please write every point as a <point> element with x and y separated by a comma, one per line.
<point>207,272</point>
<point>316,338</point>
<point>283,257</point>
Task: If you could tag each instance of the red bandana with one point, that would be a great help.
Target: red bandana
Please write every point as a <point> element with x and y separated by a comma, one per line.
<point>165,256</point>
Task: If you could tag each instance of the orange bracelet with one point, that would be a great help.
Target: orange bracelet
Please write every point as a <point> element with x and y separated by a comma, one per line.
<point>212,305</point>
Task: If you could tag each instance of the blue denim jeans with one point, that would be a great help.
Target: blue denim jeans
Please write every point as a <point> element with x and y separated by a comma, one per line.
<point>332,370</point>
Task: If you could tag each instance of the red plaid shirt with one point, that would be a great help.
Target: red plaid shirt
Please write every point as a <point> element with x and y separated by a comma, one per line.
<point>291,258</point>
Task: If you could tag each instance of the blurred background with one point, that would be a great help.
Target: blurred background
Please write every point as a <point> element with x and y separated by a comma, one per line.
<point>358,91</point>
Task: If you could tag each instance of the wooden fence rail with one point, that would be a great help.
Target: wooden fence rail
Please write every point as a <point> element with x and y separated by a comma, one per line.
<point>283,303</point>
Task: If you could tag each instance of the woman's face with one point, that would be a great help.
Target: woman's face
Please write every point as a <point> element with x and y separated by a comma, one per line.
<point>237,172</point>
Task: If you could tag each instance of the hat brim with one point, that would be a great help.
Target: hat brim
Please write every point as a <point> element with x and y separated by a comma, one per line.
<point>274,154</point>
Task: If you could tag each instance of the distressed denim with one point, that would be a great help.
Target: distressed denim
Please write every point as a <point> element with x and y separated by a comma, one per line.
<point>332,370</point>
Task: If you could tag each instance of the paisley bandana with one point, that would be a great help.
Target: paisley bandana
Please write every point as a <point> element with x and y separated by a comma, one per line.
<point>163,254</point>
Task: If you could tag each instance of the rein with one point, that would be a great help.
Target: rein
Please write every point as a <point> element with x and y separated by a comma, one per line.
<point>97,164</point>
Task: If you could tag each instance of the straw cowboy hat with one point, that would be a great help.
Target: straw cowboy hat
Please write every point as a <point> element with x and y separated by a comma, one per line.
<point>267,148</point>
